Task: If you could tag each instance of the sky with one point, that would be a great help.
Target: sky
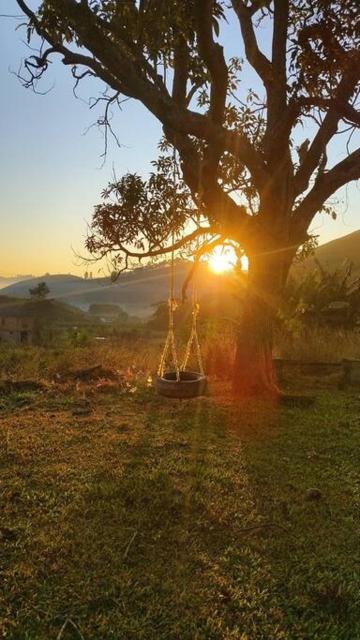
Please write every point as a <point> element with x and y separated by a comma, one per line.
<point>51,172</point>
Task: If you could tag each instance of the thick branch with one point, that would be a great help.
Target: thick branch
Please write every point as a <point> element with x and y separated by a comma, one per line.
<point>181,71</point>
<point>115,67</point>
<point>276,140</point>
<point>281,19</point>
<point>213,56</point>
<point>256,58</point>
<point>342,173</point>
<point>277,98</point>
<point>224,214</point>
<point>152,253</point>
<point>327,130</point>
<point>71,57</point>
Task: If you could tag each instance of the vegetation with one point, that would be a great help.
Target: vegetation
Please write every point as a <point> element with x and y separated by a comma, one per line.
<point>104,309</point>
<point>40,292</point>
<point>127,516</point>
<point>124,515</point>
<point>248,176</point>
<point>324,298</point>
<point>317,344</point>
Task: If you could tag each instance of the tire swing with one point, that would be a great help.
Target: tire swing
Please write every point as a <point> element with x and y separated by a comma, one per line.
<point>181,383</point>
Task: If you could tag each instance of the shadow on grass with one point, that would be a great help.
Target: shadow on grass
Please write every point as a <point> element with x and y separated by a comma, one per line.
<point>181,539</point>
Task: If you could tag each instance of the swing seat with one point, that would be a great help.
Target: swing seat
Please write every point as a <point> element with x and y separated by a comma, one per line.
<point>191,384</point>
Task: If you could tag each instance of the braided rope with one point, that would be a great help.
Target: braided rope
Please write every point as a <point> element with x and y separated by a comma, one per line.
<point>170,343</point>
<point>193,338</point>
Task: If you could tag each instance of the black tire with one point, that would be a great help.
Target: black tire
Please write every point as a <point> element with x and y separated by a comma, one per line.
<point>190,385</point>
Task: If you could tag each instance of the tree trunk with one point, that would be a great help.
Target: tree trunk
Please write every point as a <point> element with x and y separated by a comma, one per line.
<point>254,373</point>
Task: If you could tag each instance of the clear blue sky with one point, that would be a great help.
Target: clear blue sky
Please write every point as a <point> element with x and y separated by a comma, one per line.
<point>50,174</point>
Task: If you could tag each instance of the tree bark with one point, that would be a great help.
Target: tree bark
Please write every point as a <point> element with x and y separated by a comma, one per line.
<point>254,373</point>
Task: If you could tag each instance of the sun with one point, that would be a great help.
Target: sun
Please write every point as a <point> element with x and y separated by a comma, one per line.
<point>222,259</point>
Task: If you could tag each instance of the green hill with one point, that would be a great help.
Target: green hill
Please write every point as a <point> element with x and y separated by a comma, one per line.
<point>332,254</point>
<point>45,310</point>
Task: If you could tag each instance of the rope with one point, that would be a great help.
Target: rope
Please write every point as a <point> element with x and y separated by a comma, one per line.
<point>193,338</point>
<point>170,344</point>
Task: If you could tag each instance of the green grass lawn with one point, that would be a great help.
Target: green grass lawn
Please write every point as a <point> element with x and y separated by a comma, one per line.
<point>127,516</point>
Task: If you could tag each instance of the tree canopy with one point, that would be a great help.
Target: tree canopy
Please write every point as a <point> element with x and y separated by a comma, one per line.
<point>40,291</point>
<point>250,166</point>
<point>250,172</point>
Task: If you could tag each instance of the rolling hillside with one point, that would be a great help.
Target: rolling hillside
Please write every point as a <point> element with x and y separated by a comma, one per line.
<point>137,291</point>
<point>6,281</point>
<point>334,253</point>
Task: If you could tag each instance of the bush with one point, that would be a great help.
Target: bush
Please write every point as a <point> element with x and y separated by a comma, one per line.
<point>323,299</point>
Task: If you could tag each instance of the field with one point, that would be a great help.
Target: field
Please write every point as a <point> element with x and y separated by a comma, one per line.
<point>127,516</point>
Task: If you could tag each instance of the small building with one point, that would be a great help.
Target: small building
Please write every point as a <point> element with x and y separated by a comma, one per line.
<point>16,329</point>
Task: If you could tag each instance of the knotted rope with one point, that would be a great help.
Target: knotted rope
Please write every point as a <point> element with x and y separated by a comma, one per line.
<point>170,343</point>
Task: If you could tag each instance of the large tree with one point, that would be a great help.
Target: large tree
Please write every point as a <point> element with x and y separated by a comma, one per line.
<point>256,166</point>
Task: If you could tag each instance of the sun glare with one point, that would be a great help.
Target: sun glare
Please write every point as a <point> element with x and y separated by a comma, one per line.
<point>222,259</point>
<point>244,263</point>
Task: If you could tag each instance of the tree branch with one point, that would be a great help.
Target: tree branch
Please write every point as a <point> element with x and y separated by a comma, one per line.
<point>277,89</point>
<point>115,67</point>
<point>327,129</point>
<point>343,110</point>
<point>205,248</point>
<point>213,56</point>
<point>152,253</point>
<point>181,72</point>
<point>257,59</point>
<point>329,182</point>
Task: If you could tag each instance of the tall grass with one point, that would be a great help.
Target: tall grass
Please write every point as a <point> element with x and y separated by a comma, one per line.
<point>43,363</point>
<point>318,345</point>
<point>142,354</point>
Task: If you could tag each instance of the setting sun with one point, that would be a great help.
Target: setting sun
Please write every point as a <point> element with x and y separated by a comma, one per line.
<point>223,259</point>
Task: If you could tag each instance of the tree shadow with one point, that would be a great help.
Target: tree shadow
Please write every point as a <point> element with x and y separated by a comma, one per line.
<point>158,547</point>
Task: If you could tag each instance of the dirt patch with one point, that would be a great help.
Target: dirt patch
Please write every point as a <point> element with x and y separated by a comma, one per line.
<point>90,374</point>
<point>16,386</point>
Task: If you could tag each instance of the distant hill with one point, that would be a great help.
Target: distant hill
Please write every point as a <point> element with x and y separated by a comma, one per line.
<point>332,254</point>
<point>44,310</point>
<point>6,281</point>
<point>139,290</point>
<point>136,291</point>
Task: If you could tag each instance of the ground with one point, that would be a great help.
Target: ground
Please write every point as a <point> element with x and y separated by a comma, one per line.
<point>128,516</point>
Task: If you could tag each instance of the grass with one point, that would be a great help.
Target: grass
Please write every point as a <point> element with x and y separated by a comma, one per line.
<point>127,516</point>
<point>320,344</point>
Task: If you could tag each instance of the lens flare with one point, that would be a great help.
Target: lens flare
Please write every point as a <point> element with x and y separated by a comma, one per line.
<point>244,261</point>
<point>222,259</point>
